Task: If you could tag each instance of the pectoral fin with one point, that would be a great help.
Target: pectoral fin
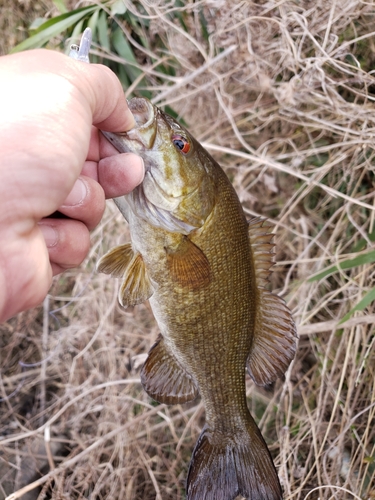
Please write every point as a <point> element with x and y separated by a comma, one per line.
<point>165,379</point>
<point>116,261</point>
<point>123,262</point>
<point>136,286</point>
<point>275,335</point>
<point>188,265</point>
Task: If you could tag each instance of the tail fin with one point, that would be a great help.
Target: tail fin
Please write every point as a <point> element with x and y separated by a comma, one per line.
<point>223,467</point>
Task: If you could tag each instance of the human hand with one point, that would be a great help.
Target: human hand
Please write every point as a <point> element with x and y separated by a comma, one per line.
<point>52,158</point>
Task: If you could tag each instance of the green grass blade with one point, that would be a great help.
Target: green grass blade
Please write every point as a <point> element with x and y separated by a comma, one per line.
<point>60,6</point>
<point>179,15</point>
<point>365,258</point>
<point>103,31</point>
<point>203,22</point>
<point>93,21</point>
<point>362,304</point>
<point>362,243</point>
<point>53,27</point>
<point>123,77</point>
<point>35,25</point>
<point>123,48</point>
<point>118,8</point>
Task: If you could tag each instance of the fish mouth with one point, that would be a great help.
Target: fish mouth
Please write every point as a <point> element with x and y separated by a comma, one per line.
<point>141,137</point>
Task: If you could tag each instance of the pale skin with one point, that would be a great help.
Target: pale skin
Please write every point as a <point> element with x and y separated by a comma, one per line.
<point>53,158</point>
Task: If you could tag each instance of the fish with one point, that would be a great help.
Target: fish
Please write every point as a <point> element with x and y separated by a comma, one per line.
<point>205,270</point>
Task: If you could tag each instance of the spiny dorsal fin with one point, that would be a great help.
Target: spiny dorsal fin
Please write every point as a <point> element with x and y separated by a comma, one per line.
<point>188,265</point>
<point>262,249</point>
<point>123,262</point>
<point>116,260</point>
<point>275,335</point>
<point>165,379</point>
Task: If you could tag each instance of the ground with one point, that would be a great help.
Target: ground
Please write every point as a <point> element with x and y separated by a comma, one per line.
<point>282,95</point>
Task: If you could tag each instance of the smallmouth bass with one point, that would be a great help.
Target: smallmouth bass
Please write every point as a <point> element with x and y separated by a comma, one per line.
<point>204,269</point>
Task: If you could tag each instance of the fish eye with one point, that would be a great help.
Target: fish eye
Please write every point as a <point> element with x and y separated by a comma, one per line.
<point>181,143</point>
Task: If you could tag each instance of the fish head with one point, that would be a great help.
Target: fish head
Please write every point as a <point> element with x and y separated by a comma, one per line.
<point>178,190</point>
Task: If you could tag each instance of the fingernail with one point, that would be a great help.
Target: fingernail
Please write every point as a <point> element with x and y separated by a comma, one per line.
<point>141,170</point>
<point>50,235</point>
<point>77,194</point>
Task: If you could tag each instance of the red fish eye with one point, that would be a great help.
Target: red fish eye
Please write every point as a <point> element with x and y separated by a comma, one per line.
<point>181,143</point>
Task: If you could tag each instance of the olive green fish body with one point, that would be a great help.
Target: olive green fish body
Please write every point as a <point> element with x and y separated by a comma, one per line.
<point>197,324</point>
<point>204,268</point>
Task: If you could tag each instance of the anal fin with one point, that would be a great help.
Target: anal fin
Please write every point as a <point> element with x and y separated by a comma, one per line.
<point>123,262</point>
<point>164,379</point>
<point>275,335</point>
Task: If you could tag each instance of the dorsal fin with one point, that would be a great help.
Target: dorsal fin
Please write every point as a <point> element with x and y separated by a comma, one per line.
<point>275,335</point>
<point>262,249</point>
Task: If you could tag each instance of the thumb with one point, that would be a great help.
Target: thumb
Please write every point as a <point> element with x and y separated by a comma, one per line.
<point>105,95</point>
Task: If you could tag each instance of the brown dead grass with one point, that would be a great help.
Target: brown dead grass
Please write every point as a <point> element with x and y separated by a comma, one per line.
<point>282,94</point>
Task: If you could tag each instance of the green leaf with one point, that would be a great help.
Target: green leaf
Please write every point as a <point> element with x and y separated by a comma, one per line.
<point>53,27</point>
<point>123,77</point>
<point>360,260</point>
<point>36,23</point>
<point>93,21</point>
<point>123,48</point>
<point>60,6</point>
<point>103,31</point>
<point>175,115</point>
<point>203,22</point>
<point>118,8</point>
<point>362,304</point>
<point>179,15</point>
<point>362,243</point>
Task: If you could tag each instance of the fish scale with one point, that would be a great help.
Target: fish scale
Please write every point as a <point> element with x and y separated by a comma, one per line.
<point>205,270</point>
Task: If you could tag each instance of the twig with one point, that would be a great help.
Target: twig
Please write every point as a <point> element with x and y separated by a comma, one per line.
<point>283,168</point>
<point>188,78</point>
<point>87,451</point>
<point>328,326</point>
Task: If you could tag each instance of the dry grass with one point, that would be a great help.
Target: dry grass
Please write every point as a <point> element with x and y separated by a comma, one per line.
<point>289,113</point>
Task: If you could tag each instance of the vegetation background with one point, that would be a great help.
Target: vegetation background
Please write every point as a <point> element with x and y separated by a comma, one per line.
<point>281,92</point>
